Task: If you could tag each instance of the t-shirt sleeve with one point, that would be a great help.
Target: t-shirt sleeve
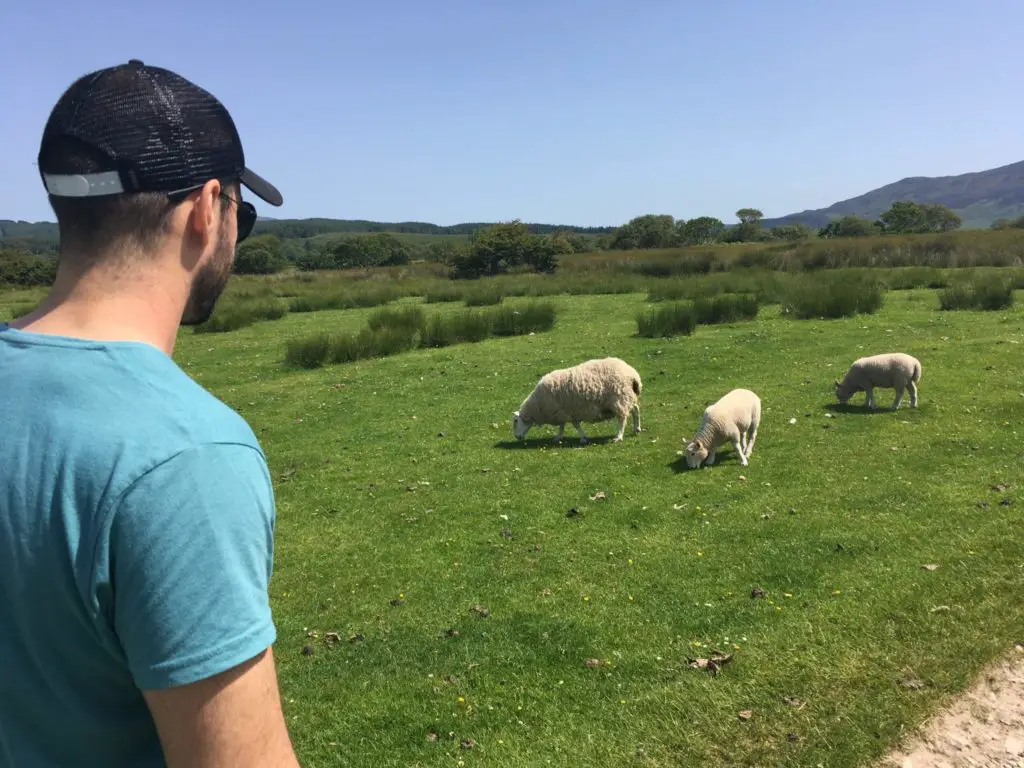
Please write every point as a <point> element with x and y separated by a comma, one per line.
<point>191,555</point>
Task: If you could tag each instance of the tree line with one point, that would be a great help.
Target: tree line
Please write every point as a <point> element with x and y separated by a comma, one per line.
<point>904,217</point>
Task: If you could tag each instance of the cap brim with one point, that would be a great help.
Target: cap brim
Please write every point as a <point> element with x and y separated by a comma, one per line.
<point>260,187</point>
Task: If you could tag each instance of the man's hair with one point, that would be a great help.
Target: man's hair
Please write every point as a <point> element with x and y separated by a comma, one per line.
<point>93,226</point>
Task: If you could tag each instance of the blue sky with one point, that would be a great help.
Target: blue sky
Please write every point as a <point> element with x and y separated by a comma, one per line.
<point>558,111</point>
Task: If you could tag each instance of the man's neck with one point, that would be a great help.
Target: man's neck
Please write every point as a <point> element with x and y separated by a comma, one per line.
<point>109,308</point>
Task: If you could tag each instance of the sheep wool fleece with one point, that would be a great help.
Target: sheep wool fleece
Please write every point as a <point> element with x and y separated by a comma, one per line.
<point>136,546</point>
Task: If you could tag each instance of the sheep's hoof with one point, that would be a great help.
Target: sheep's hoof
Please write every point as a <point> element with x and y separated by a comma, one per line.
<point>616,439</point>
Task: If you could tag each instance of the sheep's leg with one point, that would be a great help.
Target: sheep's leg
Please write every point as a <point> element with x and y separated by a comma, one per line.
<point>710,459</point>
<point>561,431</point>
<point>579,428</point>
<point>913,394</point>
<point>739,450</point>
<point>898,399</point>
<point>751,437</point>
<point>621,429</point>
<point>636,419</point>
<point>870,399</point>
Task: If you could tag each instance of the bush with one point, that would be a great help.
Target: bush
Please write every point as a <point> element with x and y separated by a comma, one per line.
<point>988,294</point>
<point>307,353</point>
<point>832,297</point>
<point>20,268</point>
<point>725,309</point>
<point>666,321</point>
<point>409,320</point>
<point>530,318</point>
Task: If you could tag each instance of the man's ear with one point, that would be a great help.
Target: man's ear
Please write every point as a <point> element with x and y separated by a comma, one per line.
<point>204,219</point>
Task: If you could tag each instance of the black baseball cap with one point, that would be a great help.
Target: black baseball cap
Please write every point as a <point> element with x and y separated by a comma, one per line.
<point>136,128</point>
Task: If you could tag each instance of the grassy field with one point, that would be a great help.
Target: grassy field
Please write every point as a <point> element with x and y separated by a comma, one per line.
<point>497,603</point>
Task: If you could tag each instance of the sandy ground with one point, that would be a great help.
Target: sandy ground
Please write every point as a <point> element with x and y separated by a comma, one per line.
<point>982,729</point>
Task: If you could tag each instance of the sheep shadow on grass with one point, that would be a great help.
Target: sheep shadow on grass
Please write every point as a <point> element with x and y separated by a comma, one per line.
<point>549,442</point>
<point>724,457</point>
<point>863,410</point>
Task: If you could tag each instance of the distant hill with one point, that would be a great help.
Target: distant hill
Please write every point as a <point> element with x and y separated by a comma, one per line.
<point>978,198</point>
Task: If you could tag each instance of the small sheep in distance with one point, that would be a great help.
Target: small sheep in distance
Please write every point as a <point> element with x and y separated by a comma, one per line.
<point>734,418</point>
<point>596,390</point>
<point>893,370</point>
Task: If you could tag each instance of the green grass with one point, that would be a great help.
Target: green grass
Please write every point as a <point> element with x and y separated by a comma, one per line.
<point>399,479</point>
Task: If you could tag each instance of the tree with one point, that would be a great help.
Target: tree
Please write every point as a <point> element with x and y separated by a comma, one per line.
<point>259,255</point>
<point>749,216</point>
<point>498,248</point>
<point>647,231</point>
<point>1000,224</point>
<point>700,231</point>
<point>906,217</point>
<point>792,232</point>
<point>377,250</point>
<point>749,229</point>
<point>941,219</point>
<point>848,226</point>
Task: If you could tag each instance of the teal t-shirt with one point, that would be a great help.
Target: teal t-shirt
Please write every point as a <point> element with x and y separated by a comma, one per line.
<point>136,546</point>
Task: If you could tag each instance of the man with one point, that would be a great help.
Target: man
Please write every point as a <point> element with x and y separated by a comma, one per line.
<point>136,510</point>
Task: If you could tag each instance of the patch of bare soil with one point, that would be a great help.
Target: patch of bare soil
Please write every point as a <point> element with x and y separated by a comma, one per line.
<point>984,728</point>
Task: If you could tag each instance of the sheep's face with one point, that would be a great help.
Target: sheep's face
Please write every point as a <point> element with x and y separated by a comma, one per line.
<point>520,426</point>
<point>695,454</point>
<point>844,392</point>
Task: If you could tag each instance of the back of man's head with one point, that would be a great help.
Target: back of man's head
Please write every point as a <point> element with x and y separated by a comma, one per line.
<point>124,146</point>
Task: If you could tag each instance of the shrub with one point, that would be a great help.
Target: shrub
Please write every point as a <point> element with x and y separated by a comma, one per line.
<point>373,296</point>
<point>666,321</point>
<point>409,320</point>
<point>989,293</point>
<point>725,309</point>
<point>530,318</point>
<point>307,353</point>
<point>832,297</point>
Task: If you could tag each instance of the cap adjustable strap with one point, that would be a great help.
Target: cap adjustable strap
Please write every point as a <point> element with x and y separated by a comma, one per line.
<point>83,185</point>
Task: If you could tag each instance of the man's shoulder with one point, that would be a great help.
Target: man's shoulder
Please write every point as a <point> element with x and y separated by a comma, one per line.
<point>177,410</point>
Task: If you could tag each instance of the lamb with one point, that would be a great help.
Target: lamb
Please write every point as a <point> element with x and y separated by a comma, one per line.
<point>734,418</point>
<point>894,370</point>
<point>596,390</point>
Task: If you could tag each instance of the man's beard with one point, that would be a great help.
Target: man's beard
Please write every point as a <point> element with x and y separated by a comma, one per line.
<point>209,283</point>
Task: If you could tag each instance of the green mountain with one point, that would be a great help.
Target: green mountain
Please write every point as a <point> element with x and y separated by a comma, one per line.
<point>978,198</point>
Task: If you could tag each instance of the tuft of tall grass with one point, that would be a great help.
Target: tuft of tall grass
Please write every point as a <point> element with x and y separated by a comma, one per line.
<point>675,319</point>
<point>727,308</point>
<point>486,295</point>
<point>407,319</point>
<point>832,296</point>
<point>442,293</point>
<point>990,293</point>
<point>463,327</point>
<point>232,316</point>
<point>367,343</point>
<point>517,321</point>
<point>311,352</point>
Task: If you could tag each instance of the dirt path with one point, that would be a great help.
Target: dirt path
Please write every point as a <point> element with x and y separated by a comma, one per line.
<point>983,729</point>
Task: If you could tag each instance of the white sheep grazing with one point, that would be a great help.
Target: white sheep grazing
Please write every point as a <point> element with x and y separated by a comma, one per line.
<point>734,418</point>
<point>894,370</point>
<point>596,390</point>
